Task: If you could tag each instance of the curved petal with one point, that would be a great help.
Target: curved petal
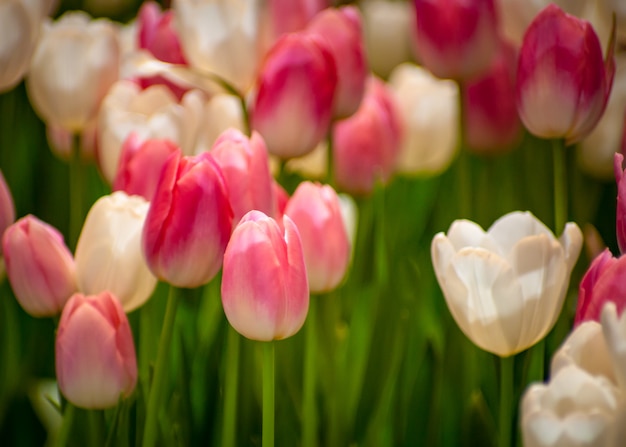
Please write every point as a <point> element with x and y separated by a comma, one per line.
<point>512,227</point>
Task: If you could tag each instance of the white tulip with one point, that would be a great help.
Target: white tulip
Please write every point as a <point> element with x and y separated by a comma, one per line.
<point>614,329</point>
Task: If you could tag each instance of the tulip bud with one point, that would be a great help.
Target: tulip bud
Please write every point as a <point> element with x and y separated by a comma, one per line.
<point>189,221</point>
<point>296,86</point>
<point>289,16</point>
<point>265,292</point>
<point>563,84</point>
<point>39,266</point>
<point>75,63</point>
<point>456,39</point>
<point>316,211</point>
<point>95,352</point>
<point>342,31</point>
<point>7,208</point>
<point>141,164</point>
<point>366,145</point>
<point>620,219</point>
<point>246,171</point>
<point>108,252</point>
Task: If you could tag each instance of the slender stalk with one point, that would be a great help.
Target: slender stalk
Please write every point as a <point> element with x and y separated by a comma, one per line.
<point>245,115</point>
<point>309,407</point>
<point>506,400</point>
<point>560,186</point>
<point>231,379</point>
<point>94,421</point>
<point>157,388</point>
<point>66,426</point>
<point>76,184</point>
<point>268,394</point>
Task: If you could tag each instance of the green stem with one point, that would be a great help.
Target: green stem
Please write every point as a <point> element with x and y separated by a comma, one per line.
<point>247,127</point>
<point>66,426</point>
<point>157,388</point>
<point>268,394</point>
<point>506,399</point>
<point>560,186</point>
<point>94,421</point>
<point>379,234</point>
<point>76,192</point>
<point>464,179</point>
<point>231,379</point>
<point>309,407</point>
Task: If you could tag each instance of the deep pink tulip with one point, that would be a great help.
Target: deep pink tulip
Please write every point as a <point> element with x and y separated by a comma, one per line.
<point>189,221</point>
<point>7,208</point>
<point>288,16</point>
<point>563,84</point>
<point>491,120</point>
<point>316,211</point>
<point>456,39</point>
<point>140,165</point>
<point>245,166</point>
<point>604,281</point>
<point>265,292</point>
<point>620,221</point>
<point>341,29</point>
<point>366,145</point>
<point>294,102</point>
<point>39,266</point>
<point>95,352</point>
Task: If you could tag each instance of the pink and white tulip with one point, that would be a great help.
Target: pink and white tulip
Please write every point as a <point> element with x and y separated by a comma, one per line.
<point>265,291</point>
<point>289,16</point>
<point>95,352</point>
<point>189,221</point>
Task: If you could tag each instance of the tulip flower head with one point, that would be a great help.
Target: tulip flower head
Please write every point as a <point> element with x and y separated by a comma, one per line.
<point>95,352</point>
<point>265,291</point>
<point>505,287</point>
<point>563,83</point>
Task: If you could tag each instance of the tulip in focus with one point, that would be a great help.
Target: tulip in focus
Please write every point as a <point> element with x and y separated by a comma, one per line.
<point>73,67</point>
<point>95,352</point>
<point>366,145</point>
<point>244,163</point>
<point>7,208</point>
<point>563,84</point>
<point>316,211</point>
<point>189,221</point>
<point>620,220</point>
<point>108,252</point>
<point>293,105</point>
<point>456,39</point>
<point>505,287</point>
<point>265,291</point>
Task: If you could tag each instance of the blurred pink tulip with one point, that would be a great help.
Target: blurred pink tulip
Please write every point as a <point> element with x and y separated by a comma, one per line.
<point>316,211</point>
<point>244,164</point>
<point>265,291</point>
<point>288,16</point>
<point>456,39</point>
<point>294,101</point>
<point>620,220</point>
<point>563,84</point>
<point>39,266</point>
<point>341,29</point>
<point>366,145</point>
<point>189,221</point>
<point>95,352</point>
<point>140,165</point>
<point>7,208</point>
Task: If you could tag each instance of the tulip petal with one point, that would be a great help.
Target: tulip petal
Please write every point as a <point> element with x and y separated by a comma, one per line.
<point>614,329</point>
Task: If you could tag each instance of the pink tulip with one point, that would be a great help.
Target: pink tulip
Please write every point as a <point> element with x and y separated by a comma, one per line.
<point>620,221</point>
<point>95,352</point>
<point>366,145</point>
<point>563,84</point>
<point>288,16</point>
<point>316,211</point>
<point>342,31</point>
<point>294,101</point>
<point>245,166</point>
<point>189,221</point>
<point>265,292</point>
<point>39,266</point>
<point>7,208</point>
<point>140,165</point>
<point>491,120</point>
<point>456,39</point>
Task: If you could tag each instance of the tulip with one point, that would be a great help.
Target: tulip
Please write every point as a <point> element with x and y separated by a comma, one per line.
<point>220,37</point>
<point>221,112</point>
<point>456,39</point>
<point>292,108</point>
<point>316,211</point>
<point>246,171</point>
<point>289,16</point>
<point>95,352</point>
<point>108,252</point>
<point>341,29</point>
<point>141,164</point>
<point>189,221</point>
<point>265,291</point>
<point>505,287</point>
<point>620,220</point>
<point>61,141</point>
<point>563,84</point>
<point>7,208</point>
<point>429,109</point>
<point>39,266</point>
<point>614,329</point>
<point>73,67</point>
<point>366,145</point>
